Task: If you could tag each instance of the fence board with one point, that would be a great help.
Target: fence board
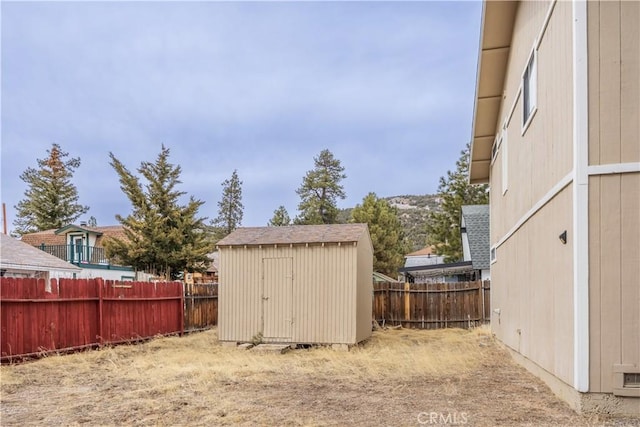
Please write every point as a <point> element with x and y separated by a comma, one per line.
<point>431,305</point>
<point>38,317</point>
<point>201,306</point>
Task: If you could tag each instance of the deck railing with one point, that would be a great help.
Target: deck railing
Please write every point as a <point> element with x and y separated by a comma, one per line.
<point>78,254</point>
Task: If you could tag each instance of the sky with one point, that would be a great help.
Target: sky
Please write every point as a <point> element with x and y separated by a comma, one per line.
<point>258,87</point>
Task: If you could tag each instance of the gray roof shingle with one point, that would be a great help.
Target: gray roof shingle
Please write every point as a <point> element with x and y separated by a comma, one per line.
<point>476,220</point>
<point>295,234</point>
<point>22,256</point>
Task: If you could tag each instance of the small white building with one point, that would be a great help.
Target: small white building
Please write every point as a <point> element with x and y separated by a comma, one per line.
<point>19,259</point>
<point>422,257</point>
<point>307,284</point>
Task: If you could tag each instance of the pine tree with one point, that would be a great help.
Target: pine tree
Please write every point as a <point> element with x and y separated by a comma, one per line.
<point>280,218</point>
<point>51,200</point>
<point>443,227</point>
<point>319,190</point>
<point>230,207</point>
<point>163,237</point>
<point>387,233</point>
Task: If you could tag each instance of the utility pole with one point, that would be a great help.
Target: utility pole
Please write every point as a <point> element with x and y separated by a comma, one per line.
<point>4,218</point>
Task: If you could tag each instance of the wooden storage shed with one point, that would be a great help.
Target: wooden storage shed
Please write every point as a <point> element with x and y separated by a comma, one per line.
<point>300,284</point>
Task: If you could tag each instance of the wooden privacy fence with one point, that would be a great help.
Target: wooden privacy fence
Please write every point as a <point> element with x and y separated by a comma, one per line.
<point>431,305</point>
<point>200,306</point>
<point>37,316</point>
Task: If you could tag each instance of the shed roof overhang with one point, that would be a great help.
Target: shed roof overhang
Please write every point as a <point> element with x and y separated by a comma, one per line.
<point>498,19</point>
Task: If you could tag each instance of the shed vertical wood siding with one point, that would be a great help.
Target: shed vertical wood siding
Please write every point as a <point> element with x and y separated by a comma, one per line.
<point>330,299</point>
<point>532,278</point>
<point>364,289</point>
<point>614,199</point>
<point>277,296</point>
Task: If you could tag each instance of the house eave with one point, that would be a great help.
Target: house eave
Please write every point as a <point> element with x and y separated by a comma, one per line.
<point>467,265</point>
<point>39,267</point>
<point>73,227</point>
<point>498,18</point>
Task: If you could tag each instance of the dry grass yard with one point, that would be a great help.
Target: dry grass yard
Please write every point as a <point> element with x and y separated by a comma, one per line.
<point>399,377</point>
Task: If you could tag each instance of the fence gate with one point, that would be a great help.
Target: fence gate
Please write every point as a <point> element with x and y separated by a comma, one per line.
<point>277,296</point>
<point>200,306</point>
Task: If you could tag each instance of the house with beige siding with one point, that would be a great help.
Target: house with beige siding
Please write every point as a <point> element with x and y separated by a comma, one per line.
<point>556,134</point>
<point>301,284</point>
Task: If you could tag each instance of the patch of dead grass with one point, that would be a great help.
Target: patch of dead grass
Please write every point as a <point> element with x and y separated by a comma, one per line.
<point>193,380</point>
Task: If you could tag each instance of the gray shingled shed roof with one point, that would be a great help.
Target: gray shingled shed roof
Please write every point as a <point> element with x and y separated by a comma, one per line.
<point>476,220</point>
<point>295,234</point>
<point>22,256</point>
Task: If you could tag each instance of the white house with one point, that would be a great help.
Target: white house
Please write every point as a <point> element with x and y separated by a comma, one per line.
<point>19,259</point>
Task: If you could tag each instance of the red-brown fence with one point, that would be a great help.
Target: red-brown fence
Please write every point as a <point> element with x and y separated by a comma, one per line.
<point>66,314</point>
<point>432,305</point>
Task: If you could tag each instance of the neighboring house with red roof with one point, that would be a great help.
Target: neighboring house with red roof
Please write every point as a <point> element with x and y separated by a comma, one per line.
<point>82,246</point>
<point>424,256</point>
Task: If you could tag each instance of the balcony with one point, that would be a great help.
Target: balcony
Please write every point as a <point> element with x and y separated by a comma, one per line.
<point>80,255</point>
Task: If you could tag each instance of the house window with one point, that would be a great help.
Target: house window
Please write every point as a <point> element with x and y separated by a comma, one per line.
<point>505,162</point>
<point>529,89</point>
<point>494,151</point>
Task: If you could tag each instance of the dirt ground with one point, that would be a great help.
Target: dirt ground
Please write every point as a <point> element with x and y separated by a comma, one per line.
<point>397,378</point>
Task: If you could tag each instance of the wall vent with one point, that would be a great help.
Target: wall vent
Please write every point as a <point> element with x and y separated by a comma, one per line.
<point>631,380</point>
<point>626,380</point>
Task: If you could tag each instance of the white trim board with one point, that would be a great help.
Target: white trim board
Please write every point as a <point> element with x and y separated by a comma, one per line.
<point>553,192</point>
<point>594,170</point>
<point>613,168</point>
<point>581,354</point>
<point>545,24</point>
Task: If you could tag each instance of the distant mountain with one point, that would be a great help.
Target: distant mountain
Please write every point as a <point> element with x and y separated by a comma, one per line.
<point>413,211</point>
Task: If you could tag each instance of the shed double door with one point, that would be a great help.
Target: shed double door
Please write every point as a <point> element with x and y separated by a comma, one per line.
<point>277,299</point>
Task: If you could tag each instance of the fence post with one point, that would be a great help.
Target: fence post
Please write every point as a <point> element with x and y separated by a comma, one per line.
<point>407,301</point>
<point>99,282</point>
<point>187,290</point>
<point>387,304</point>
<point>481,289</point>
<point>182,309</point>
